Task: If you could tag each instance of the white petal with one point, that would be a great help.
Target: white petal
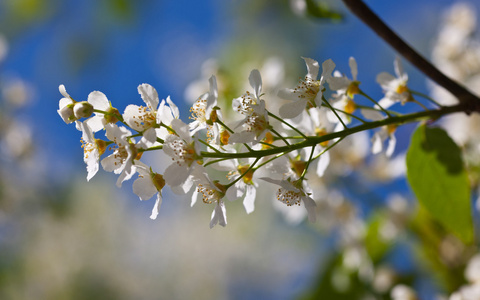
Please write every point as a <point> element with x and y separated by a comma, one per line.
<point>377,143</point>
<point>149,96</point>
<point>338,83</point>
<point>384,79</point>
<point>176,175</point>
<point>96,123</point>
<point>255,80</point>
<point>164,114</point>
<point>156,207</point>
<point>182,130</point>
<point>132,115</point>
<point>175,111</point>
<point>249,201</point>
<point>311,208</point>
<point>323,162</point>
<point>391,145</point>
<point>242,137</point>
<point>144,188</point>
<point>213,93</point>
<point>353,67</point>
<point>292,109</point>
<point>288,94</point>
<point>312,67</point>
<point>385,102</point>
<point>397,65</point>
<point>98,100</point>
<point>219,215</point>
<point>233,193</point>
<point>373,115</point>
<point>327,68</point>
<point>110,163</point>
<point>127,173</point>
<point>63,91</point>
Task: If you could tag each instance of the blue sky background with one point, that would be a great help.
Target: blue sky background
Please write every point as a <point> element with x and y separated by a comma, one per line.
<point>86,47</point>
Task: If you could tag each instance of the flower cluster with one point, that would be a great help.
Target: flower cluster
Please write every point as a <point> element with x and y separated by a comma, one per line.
<point>285,147</point>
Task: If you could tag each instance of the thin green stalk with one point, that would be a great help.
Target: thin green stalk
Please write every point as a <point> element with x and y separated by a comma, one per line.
<point>209,146</point>
<point>308,164</point>
<point>151,148</point>
<point>215,161</point>
<point>350,115</point>
<point>425,97</point>
<point>244,173</point>
<point>267,144</point>
<point>329,147</point>
<point>286,123</point>
<point>333,110</point>
<point>376,109</point>
<point>376,103</point>
<point>270,159</point>
<point>223,124</point>
<point>280,136</point>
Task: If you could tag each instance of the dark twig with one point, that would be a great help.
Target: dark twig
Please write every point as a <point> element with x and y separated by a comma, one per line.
<point>364,13</point>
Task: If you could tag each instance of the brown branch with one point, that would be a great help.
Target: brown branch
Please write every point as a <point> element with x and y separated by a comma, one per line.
<point>364,13</point>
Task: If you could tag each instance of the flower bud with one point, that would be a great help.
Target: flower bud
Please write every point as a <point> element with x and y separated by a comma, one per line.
<point>83,109</point>
<point>111,117</point>
<point>66,110</point>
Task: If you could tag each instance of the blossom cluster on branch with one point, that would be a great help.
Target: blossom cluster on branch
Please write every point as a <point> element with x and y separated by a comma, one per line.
<point>259,144</point>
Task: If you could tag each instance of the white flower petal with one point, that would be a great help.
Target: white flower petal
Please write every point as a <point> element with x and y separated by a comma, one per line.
<point>110,163</point>
<point>353,67</point>
<point>327,68</point>
<point>175,111</point>
<point>63,91</point>
<point>144,188</point>
<point>156,207</point>
<point>311,208</point>
<point>377,143</point>
<point>219,215</point>
<point>323,162</point>
<point>149,96</point>
<point>392,141</point>
<point>176,175</point>
<point>312,67</point>
<point>371,114</point>
<point>255,80</point>
<point>249,200</point>
<point>292,109</point>
<point>286,93</point>
<point>338,83</point>
<point>98,100</point>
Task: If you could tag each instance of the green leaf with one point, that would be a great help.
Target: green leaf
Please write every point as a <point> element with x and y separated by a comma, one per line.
<point>437,175</point>
<point>321,11</point>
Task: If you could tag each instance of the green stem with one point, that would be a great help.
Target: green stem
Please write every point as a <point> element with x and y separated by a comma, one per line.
<point>333,109</point>
<point>350,115</point>
<point>209,146</point>
<point>377,109</point>
<point>280,136</point>
<point>286,123</point>
<point>244,173</point>
<point>329,147</point>
<point>308,164</point>
<point>376,103</point>
<point>223,124</point>
<point>151,148</point>
<point>425,97</point>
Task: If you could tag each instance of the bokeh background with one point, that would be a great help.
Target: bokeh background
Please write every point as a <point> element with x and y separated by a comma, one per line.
<point>64,238</point>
